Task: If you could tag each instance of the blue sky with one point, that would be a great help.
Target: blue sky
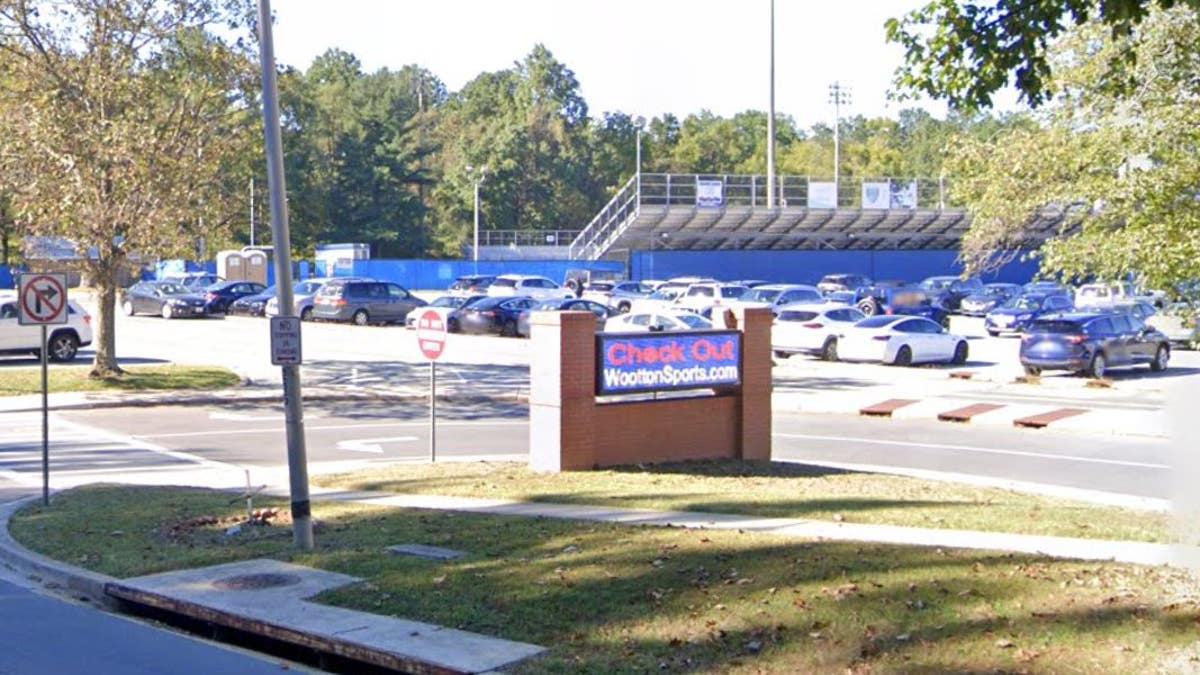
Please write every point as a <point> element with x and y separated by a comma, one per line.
<point>641,57</point>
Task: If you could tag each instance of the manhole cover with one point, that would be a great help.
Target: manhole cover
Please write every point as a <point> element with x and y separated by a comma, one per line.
<point>254,582</point>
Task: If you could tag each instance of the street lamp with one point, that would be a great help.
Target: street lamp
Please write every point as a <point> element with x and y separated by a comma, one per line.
<point>638,122</point>
<point>771,118</point>
<point>476,176</point>
<point>839,95</point>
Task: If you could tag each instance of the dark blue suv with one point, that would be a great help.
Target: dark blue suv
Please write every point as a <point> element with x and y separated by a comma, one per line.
<point>1091,343</point>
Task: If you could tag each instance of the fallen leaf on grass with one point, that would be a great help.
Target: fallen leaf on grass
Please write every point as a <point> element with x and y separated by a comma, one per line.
<point>1005,644</point>
<point>438,581</point>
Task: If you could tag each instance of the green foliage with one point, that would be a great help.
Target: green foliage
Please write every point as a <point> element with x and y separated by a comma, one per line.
<point>1121,162</point>
<point>966,52</point>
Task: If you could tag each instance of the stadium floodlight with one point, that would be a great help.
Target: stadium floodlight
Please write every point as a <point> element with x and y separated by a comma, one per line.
<point>839,95</point>
<point>476,175</point>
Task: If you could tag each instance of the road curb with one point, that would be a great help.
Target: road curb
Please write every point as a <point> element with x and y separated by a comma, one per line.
<point>52,574</point>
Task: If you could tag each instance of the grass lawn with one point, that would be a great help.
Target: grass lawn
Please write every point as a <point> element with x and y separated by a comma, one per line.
<point>75,378</point>
<point>608,598</point>
<point>771,489</point>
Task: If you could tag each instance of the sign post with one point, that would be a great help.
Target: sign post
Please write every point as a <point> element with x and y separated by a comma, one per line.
<point>431,338</point>
<point>43,302</point>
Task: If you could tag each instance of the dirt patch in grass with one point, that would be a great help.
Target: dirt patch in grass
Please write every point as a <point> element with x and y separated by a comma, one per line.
<point>608,598</point>
<point>770,489</point>
<point>62,378</point>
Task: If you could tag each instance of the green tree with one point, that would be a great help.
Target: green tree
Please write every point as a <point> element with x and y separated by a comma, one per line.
<point>964,52</point>
<point>126,121</point>
<point>1122,164</point>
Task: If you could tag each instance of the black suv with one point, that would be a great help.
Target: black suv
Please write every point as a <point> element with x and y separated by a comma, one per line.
<point>364,301</point>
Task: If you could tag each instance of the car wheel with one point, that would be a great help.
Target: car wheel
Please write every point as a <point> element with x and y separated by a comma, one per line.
<point>167,312</point>
<point>868,306</point>
<point>624,308</point>
<point>829,350</point>
<point>1098,366</point>
<point>306,314</point>
<point>452,326</point>
<point>960,354</point>
<point>509,329</point>
<point>1161,358</point>
<point>361,317</point>
<point>903,357</point>
<point>63,347</point>
<point>945,321</point>
<point>127,307</point>
<point>993,333</point>
<point>1033,371</point>
<point>781,355</point>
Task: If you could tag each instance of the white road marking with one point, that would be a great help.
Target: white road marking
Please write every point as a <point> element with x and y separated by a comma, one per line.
<point>371,444</point>
<point>969,448</point>
<point>239,417</point>
<point>332,427</point>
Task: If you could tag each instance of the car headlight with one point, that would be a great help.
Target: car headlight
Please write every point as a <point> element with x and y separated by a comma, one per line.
<point>1024,317</point>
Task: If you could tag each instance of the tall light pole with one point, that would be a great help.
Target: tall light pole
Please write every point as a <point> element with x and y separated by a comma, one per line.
<point>839,95</point>
<point>771,120</point>
<point>476,176</point>
<point>639,122</point>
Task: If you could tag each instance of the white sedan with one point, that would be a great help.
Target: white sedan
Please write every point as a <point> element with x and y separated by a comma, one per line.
<point>811,329</point>
<point>901,340</point>
<point>666,320</point>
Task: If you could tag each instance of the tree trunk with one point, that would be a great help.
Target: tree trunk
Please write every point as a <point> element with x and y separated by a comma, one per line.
<point>105,340</point>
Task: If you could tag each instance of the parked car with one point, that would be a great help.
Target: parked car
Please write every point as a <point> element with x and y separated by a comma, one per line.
<point>949,291</point>
<point>62,340</point>
<point>164,298</point>
<point>252,305</point>
<point>515,285</point>
<point>303,295</point>
<point>704,296</point>
<point>811,329</point>
<point>1013,316</point>
<point>616,294</point>
<point>493,315</point>
<point>988,298</point>
<point>776,296</point>
<point>1090,296</point>
<point>1140,309</point>
<point>663,298</point>
<point>843,282</point>
<point>471,284</point>
<point>1090,343</point>
<point>603,312</point>
<point>195,282</point>
<point>577,279</point>
<point>901,341</point>
<point>750,283</point>
<point>444,305</point>
<point>1045,287</point>
<point>905,300</point>
<point>657,321</point>
<point>1180,322</point>
<point>364,301</point>
<point>220,295</point>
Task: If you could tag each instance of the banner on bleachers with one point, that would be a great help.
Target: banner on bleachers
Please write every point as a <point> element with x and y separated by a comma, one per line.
<point>876,196</point>
<point>822,195</point>
<point>710,193</point>
<point>904,195</point>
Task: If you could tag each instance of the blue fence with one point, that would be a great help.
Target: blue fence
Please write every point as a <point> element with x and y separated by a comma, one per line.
<point>431,274</point>
<point>806,267</point>
<point>6,277</point>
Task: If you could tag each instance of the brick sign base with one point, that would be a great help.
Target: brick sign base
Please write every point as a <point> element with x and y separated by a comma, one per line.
<point>570,430</point>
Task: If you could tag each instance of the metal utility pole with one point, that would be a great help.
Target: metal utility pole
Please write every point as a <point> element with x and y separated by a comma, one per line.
<point>252,210</point>
<point>302,534</point>
<point>771,120</point>
<point>637,167</point>
<point>839,95</point>
<point>477,177</point>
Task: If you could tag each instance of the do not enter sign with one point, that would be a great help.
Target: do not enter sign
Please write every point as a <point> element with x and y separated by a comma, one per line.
<point>431,333</point>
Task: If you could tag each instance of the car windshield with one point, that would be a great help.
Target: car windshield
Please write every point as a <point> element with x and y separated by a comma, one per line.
<point>598,286</point>
<point>694,320</point>
<point>797,315</point>
<point>936,283</point>
<point>762,295</point>
<point>665,294</point>
<point>877,321</point>
<point>731,292</point>
<point>448,301</point>
<point>172,289</point>
<point>1024,302</point>
<point>306,287</point>
<point>1055,326</point>
<point>995,290</point>
<point>548,304</point>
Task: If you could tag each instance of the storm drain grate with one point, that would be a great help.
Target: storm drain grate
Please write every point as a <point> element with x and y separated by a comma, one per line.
<point>423,551</point>
<point>256,582</point>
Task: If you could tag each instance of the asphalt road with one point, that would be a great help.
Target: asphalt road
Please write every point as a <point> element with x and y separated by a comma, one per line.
<point>46,635</point>
<point>206,445</point>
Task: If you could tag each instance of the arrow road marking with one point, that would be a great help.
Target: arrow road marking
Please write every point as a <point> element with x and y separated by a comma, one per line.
<point>371,444</point>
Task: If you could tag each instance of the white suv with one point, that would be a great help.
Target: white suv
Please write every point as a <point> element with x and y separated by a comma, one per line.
<point>64,340</point>
<point>539,288</point>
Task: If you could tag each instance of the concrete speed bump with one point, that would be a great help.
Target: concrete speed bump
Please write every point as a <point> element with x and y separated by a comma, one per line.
<point>886,408</point>
<point>965,414</point>
<point>1043,420</point>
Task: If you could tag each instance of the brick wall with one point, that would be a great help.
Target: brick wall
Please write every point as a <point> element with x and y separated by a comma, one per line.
<point>570,430</point>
